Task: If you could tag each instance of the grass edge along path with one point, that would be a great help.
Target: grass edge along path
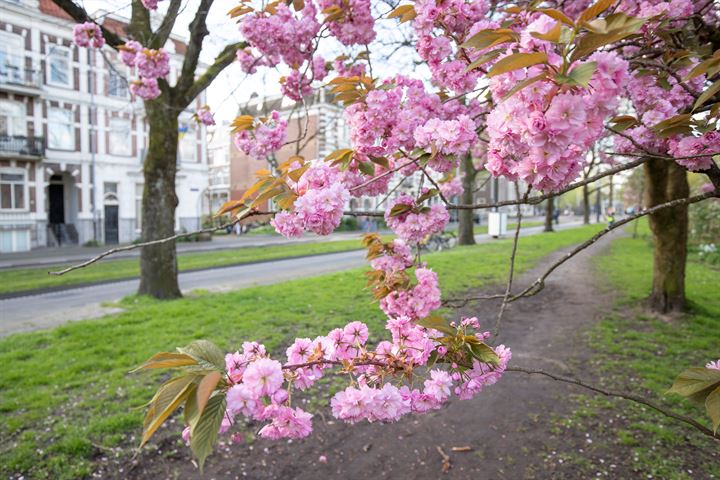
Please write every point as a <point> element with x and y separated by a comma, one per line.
<point>66,394</point>
<point>27,280</point>
<point>639,352</point>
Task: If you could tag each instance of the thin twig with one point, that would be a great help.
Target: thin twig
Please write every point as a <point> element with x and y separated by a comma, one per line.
<point>627,396</point>
<point>508,287</point>
<point>135,246</point>
<point>539,284</point>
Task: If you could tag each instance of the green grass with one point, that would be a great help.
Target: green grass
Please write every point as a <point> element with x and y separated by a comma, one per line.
<point>640,352</point>
<point>25,279</point>
<point>64,390</point>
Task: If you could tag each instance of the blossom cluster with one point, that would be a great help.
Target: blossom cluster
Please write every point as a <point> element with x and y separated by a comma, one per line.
<point>321,198</point>
<point>417,222</point>
<point>260,386</point>
<point>205,116</point>
<point>88,34</point>
<point>689,151</point>
<point>355,27</point>
<point>266,137</point>
<point>414,303</point>
<point>150,65</point>
<point>541,136</point>
<point>150,4</point>
<point>713,365</point>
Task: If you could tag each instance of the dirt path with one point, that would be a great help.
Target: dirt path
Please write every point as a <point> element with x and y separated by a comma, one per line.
<point>544,331</point>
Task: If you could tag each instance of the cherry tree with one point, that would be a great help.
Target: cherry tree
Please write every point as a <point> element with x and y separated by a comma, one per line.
<point>538,85</point>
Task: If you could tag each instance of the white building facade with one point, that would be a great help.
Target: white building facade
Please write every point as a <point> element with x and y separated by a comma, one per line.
<point>72,140</point>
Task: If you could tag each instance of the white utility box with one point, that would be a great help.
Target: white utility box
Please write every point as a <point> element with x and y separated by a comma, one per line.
<point>497,224</point>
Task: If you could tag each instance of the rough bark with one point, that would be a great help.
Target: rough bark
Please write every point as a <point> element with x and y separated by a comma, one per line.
<point>158,263</point>
<point>549,215</point>
<point>466,233</point>
<point>665,181</point>
<point>586,205</point>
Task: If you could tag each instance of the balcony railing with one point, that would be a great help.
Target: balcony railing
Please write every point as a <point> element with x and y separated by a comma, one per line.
<point>21,146</point>
<point>15,72</point>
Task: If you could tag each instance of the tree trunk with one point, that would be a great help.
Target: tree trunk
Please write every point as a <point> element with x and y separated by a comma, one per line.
<point>158,263</point>
<point>549,214</point>
<point>586,205</point>
<point>666,181</point>
<point>466,234</point>
<point>611,195</point>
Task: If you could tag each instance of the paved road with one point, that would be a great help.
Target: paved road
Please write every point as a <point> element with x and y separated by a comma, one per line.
<point>34,312</point>
<point>77,254</point>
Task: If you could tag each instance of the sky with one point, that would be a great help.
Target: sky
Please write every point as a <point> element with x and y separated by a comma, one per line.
<point>233,87</point>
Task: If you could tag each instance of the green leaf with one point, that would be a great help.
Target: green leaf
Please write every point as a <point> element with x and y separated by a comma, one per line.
<point>382,161</point>
<point>696,383</point>
<point>525,83</point>
<point>489,38</point>
<point>206,353</point>
<point>516,61</point>
<point>707,94</point>
<point>557,15</point>
<point>623,122</point>
<point>594,10</point>
<point>399,209</point>
<point>553,35</point>
<point>583,73</point>
<point>429,194</point>
<point>205,432</point>
<point>167,399</point>
<point>485,58</point>
<point>483,353</point>
<point>206,388</point>
<point>437,322</point>
<point>367,168</point>
<point>167,360</point>
<point>712,405</point>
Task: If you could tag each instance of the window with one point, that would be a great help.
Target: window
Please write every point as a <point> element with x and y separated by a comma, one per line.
<point>117,84</point>
<point>11,65</point>
<point>12,119</point>
<point>59,66</point>
<point>119,137</point>
<point>60,129</point>
<point>188,144</point>
<point>12,190</point>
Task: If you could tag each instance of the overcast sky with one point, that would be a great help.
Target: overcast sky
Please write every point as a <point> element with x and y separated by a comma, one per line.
<point>233,87</point>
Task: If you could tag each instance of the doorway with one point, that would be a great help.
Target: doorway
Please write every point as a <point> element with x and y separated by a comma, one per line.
<point>111,224</point>
<point>56,198</point>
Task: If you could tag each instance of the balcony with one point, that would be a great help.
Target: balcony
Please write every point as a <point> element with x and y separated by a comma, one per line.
<point>17,75</point>
<point>17,146</point>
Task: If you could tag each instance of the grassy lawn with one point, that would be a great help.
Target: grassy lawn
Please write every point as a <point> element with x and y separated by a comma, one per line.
<point>66,392</point>
<point>18,280</point>
<point>639,352</point>
<point>27,279</point>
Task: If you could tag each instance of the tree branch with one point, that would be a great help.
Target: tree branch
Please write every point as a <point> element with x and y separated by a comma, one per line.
<point>627,396</point>
<point>224,58</point>
<point>163,32</point>
<point>539,284</point>
<point>541,198</point>
<point>81,16</point>
<point>198,32</point>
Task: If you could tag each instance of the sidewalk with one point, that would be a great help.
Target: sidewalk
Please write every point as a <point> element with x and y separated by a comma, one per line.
<point>75,254</point>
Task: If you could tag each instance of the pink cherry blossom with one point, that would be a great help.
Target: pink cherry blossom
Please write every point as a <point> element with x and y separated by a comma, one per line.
<point>152,63</point>
<point>88,34</point>
<point>263,376</point>
<point>145,88</point>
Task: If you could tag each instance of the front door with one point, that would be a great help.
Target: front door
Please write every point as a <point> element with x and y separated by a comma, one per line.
<point>111,224</point>
<point>56,197</point>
